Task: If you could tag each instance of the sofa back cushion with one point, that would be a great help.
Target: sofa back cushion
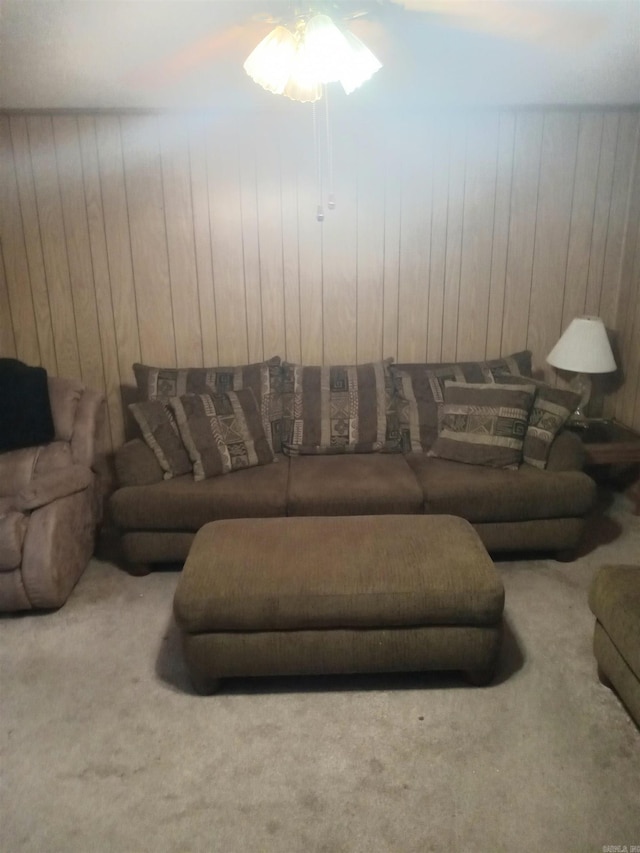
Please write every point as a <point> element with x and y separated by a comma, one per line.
<point>263,378</point>
<point>335,408</point>
<point>484,424</point>
<point>222,432</point>
<point>419,390</point>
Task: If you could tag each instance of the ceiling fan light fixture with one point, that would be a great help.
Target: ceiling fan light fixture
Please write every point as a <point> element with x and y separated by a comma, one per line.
<point>299,64</point>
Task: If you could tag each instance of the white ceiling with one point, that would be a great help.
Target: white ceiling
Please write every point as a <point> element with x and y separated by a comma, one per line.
<point>58,54</point>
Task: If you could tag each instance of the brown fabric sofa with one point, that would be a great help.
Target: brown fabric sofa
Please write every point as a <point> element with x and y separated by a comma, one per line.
<point>528,509</point>
<point>50,503</point>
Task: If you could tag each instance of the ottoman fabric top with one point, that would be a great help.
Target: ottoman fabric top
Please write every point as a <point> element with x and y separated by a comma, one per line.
<point>276,574</point>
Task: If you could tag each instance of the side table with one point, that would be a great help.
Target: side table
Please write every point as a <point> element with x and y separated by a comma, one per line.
<point>612,452</point>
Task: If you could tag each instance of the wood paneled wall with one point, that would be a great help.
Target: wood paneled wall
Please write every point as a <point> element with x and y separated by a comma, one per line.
<point>182,240</point>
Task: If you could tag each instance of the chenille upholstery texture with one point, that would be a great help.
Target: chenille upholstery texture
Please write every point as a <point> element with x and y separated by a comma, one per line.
<point>342,594</point>
<point>614,598</point>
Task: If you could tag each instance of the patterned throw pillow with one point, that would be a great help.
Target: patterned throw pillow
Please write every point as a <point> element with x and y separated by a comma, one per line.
<point>484,424</point>
<point>222,432</point>
<point>551,409</point>
<point>263,378</point>
<point>160,431</point>
<point>335,409</point>
<point>419,390</point>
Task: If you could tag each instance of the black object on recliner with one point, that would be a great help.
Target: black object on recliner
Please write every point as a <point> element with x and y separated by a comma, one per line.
<point>25,409</point>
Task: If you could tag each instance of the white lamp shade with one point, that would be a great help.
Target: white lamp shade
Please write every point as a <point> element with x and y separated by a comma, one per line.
<point>583,348</point>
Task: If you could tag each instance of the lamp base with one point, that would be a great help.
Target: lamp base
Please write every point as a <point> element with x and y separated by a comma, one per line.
<point>581,384</point>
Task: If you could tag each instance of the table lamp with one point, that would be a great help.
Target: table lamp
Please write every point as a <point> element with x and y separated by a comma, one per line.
<point>584,349</point>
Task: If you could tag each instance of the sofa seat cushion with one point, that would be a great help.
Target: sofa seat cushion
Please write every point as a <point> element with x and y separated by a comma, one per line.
<point>482,494</point>
<point>366,484</point>
<point>183,504</point>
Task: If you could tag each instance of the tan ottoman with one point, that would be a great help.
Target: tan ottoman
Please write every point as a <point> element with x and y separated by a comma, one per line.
<point>293,596</point>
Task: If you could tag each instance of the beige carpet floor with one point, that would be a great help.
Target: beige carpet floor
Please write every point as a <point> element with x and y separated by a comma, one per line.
<point>104,747</point>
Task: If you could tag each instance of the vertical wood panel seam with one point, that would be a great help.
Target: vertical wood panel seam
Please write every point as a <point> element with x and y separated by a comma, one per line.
<point>446,235</point>
<point>24,245</point>
<point>93,270</point>
<point>213,271</point>
<point>298,260</point>
<point>384,264</point>
<point>322,288</point>
<point>66,241</point>
<point>126,204</point>
<point>431,207</point>
<point>535,224</point>
<point>166,242</point>
<point>260,287</point>
<point>400,209</point>
<point>282,252</point>
<point>357,247</point>
<point>464,199</point>
<point>493,233</point>
<point>244,263</point>
<point>573,197</point>
<point>104,234</point>
<point>508,252</point>
<point>44,266</point>
<point>195,242</point>
<point>625,231</point>
<point>11,322</point>
<point>593,217</point>
<point>606,240</point>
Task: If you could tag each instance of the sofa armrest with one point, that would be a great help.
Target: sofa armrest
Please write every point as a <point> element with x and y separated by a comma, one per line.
<point>567,452</point>
<point>136,464</point>
<point>53,485</point>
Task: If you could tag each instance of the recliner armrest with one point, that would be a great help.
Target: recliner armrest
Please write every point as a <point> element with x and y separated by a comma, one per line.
<point>53,485</point>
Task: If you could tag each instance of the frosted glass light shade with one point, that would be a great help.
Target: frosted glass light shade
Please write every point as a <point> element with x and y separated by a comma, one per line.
<point>327,52</point>
<point>269,63</point>
<point>361,66</point>
<point>583,348</point>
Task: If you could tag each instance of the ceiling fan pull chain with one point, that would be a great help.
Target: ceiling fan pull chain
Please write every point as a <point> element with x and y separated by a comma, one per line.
<point>318,156</point>
<point>331,200</point>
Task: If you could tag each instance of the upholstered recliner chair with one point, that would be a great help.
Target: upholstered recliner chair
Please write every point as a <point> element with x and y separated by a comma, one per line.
<point>50,502</point>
